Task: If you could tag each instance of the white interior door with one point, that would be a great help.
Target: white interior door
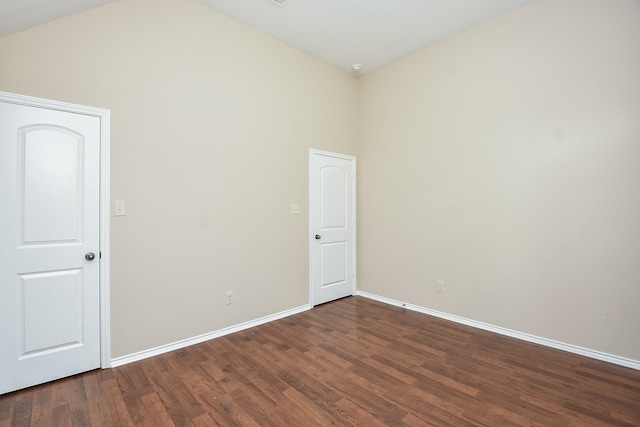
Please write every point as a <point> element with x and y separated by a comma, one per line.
<point>50,226</point>
<point>333,225</point>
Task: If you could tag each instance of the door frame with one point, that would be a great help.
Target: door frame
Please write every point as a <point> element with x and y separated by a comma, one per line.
<point>313,152</point>
<point>104,211</point>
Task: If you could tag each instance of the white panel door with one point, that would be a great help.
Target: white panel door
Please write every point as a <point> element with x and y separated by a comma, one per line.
<point>49,227</point>
<point>332,226</point>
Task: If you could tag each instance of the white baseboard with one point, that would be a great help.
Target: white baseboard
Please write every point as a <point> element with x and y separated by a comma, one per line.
<point>123,360</point>
<point>622,361</point>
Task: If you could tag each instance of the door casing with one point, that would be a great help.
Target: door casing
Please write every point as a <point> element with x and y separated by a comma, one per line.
<point>312,183</point>
<point>104,116</point>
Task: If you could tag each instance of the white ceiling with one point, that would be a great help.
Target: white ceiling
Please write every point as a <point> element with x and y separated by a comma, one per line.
<point>341,32</point>
<point>17,15</point>
<point>368,32</point>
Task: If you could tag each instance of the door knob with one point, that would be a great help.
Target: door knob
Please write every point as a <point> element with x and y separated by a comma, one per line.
<point>90,256</point>
<point>318,237</point>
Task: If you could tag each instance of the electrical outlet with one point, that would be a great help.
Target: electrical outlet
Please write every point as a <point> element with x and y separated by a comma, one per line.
<point>440,286</point>
<point>229,297</point>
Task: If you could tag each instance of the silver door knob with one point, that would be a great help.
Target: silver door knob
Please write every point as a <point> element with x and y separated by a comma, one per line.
<point>90,256</point>
<point>318,237</point>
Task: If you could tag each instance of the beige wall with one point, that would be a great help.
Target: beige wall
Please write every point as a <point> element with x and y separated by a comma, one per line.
<point>506,162</point>
<point>211,127</point>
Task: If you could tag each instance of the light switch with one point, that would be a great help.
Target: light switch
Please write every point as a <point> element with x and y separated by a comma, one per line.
<point>119,208</point>
<point>295,208</point>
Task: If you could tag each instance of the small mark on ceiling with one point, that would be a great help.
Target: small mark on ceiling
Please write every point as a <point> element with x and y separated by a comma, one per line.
<point>281,3</point>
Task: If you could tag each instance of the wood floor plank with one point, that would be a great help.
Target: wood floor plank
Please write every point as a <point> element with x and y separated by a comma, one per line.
<point>157,412</point>
<point>92,385</point>
<point>112,404</point>
<point>6,409</point>
<point>320,411</point>
<point>61,415</point>
<point>358,415</point>
<point>352,362</point>
<point>360,392</point>
<point>235,403</point>
<point>22,410</point>
<point>41,409</point>
<point>217,410</point>
<point>203,420</point>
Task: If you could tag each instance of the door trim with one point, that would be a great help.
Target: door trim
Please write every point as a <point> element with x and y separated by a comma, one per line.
<point>105,120</point>
<point>313,152</point>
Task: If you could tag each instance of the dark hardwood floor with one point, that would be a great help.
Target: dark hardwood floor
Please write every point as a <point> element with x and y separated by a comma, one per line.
<point>349,362</point>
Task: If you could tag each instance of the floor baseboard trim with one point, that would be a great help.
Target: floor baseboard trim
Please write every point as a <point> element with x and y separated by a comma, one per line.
<point>145,354</point>
<point>593,354</point>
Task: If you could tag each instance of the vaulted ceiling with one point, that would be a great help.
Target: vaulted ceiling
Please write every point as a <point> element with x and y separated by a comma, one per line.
<point>342,32</point>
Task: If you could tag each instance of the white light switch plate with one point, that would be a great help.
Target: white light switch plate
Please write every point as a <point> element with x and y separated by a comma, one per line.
<point>119,208</point>
<point>295,208</point>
